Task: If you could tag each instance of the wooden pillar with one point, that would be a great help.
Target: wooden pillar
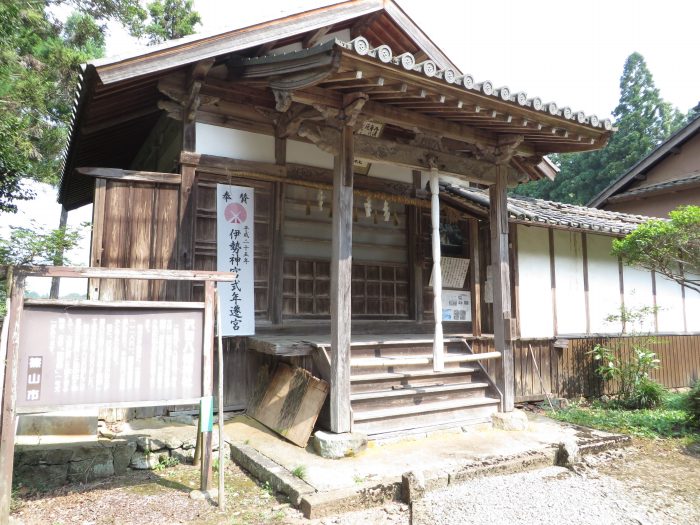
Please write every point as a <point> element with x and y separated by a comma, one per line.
<point>474,255</point>
<point>9,397</point>
<point>277,260</point>
<point>415,255</point>
<point>438,345</point>
<point>58,260</point>
<point>207,381</point>
<point>502,329</point>
<point>341,278</point>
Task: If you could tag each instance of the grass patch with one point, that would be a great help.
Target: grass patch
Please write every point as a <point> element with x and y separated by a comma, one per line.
<point>299,472</point>
<point>669,420</point>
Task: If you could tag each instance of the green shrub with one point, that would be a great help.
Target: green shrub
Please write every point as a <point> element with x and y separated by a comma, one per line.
<point>646,394</point>
<point>692,404</point>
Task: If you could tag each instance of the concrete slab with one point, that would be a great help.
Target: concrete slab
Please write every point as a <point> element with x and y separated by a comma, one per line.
<point>442,457</point>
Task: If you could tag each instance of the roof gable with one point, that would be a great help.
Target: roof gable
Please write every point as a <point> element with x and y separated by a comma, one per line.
<point>652,159</point>
<point>369,16</point>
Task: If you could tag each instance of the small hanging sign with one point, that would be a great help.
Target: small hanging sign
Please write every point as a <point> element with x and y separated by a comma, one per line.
<point>235,214</point>
<point>454,272</point>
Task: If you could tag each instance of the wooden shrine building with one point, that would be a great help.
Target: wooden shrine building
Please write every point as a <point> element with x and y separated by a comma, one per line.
<point>354,130</point>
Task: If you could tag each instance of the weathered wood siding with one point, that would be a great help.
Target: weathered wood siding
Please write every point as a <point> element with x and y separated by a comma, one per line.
<point>570,372</point>
<point>139,230</point>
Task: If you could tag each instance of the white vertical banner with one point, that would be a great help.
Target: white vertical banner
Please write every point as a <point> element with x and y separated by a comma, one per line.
<point>234,253</point>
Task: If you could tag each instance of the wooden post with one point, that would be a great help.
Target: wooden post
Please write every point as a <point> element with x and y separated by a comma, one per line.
<point>98,228</point>
<point>415,256</point>
<point>9,398</point>
<point>474,255</point>
<point>58,260</point>
<point>438,345</point>
<point>502,321</point>
<point>222,459</point>
<point>341,279</point>
<point>277,259</point>
<point>207,380</point>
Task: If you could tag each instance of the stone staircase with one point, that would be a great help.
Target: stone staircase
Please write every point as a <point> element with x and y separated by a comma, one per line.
<point>394,388</point>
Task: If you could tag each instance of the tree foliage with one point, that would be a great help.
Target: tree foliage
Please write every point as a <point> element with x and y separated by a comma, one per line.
<point>671,248</point>
<point>39,58</point>
<point>32,246</point>
<point>167,20</point>
<point>643,120</point>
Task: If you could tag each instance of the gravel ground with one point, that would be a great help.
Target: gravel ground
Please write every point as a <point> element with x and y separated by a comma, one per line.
<point>655,482</point>
<point>621,487</point>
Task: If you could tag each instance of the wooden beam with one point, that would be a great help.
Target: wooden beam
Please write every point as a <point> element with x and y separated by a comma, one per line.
<point>502,321</point>
<point>138,176</point>
<point>204,162</point>
<point>123,273</point>
<point>9,397</point>
<point>314,37</point>
<point>407,155</point>
<point>341,279</point>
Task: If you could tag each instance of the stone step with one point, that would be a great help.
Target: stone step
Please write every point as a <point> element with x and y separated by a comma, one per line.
<point>404,418</point>
<point>60,423</point>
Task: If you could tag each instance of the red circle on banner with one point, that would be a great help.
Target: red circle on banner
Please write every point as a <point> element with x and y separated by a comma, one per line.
<point>235,213</point>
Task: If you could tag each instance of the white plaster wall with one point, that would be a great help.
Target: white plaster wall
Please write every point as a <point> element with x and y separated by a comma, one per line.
<point>570,292</point>
<point>234,143</point>
<point>639,293</point>
<point>669,299</point>
<point>535,291</point>
<point>603,284</point>
<point>304,153</point>
<point>391,172</point>
<point>692,309</point>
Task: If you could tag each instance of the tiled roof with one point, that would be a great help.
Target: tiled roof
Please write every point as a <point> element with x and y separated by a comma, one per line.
<point>682,182</point>
<point>430,69</point>
<point>537,211</point>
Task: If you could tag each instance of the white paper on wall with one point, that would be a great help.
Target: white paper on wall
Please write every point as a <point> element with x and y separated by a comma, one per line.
<point>456,305</point>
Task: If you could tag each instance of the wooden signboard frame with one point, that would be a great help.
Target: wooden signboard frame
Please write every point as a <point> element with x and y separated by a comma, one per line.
<point>17,277</point>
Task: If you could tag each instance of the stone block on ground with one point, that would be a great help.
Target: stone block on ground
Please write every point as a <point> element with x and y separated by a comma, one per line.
<point>144,460</point>
<point>510,421</point>
<point>97,465</point>
<point>121,455</point>
<point>567,454</point>
<point>412,486</point>
<point>149,444</point>
<point>336,446</point>
<point>182,455</point>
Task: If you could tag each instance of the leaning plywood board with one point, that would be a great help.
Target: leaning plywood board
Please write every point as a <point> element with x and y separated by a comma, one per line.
<point>291,403</point>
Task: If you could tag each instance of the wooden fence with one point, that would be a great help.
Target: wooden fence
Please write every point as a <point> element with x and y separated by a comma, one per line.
<point>570,371</point>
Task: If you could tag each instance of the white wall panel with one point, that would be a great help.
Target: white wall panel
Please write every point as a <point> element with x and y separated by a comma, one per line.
<point>234,143</point>
<point>603,284</point>
<point>669,299</point>
<point>391,172</point>
<point>570,293</point>
<point>304,153</point>
<point>638,294</point>
<point>535,291</point>
<point>692,309</point>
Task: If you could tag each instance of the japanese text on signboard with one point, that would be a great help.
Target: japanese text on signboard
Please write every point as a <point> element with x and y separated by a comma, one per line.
<point>234,253</point>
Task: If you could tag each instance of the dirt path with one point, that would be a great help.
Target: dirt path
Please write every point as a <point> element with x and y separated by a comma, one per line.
<point>653,482</point>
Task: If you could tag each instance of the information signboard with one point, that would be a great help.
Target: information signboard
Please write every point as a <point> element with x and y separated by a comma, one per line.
<point>109,356</point>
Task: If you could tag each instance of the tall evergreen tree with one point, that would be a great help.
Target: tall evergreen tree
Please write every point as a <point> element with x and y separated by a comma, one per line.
<point>39,58</point>
<point>643,120</point>
<point>167,20</point>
